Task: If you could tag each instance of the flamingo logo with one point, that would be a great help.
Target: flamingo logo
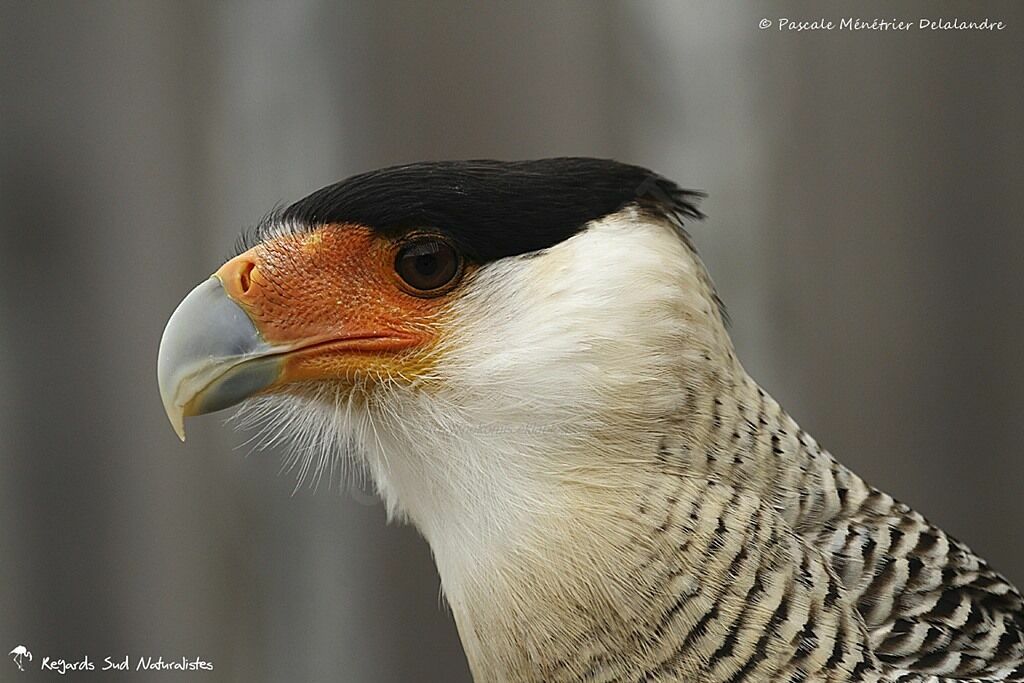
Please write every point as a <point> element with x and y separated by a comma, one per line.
<point>19,655</point>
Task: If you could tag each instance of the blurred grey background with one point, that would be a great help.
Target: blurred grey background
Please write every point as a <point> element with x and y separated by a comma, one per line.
<point>865,230</point>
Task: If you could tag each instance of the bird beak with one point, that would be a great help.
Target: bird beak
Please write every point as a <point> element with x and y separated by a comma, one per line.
<point>212,356</point>
<point>314,307</point>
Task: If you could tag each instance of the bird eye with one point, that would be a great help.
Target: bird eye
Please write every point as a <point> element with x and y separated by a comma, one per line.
<point>427,264</point>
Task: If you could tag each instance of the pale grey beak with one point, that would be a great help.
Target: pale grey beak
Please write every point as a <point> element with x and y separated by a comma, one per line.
<point>211,356</point>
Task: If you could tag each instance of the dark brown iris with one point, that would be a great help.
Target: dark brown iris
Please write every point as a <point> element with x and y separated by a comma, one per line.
<point>427,264</point>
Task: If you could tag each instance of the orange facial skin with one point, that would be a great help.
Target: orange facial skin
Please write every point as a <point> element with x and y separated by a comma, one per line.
<point>332,301</point>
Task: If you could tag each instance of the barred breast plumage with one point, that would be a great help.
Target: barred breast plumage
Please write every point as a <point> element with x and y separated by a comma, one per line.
<point>866,589</point>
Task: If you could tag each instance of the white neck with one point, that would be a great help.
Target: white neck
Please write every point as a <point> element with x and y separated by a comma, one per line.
<point>558,366</point>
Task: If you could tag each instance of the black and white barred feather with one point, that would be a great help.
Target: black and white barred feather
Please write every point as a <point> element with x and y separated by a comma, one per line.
<point>926,607</point>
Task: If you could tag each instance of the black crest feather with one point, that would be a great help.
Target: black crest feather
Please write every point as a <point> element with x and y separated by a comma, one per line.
<point>493,209</point>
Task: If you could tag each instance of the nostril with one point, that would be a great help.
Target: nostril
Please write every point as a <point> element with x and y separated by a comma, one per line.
<point>245,276</point>
<point>239,276</point>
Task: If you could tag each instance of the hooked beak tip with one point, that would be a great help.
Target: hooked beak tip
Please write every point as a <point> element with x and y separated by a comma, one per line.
<point>178,423</point>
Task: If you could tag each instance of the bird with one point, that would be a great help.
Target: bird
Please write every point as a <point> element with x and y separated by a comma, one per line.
<point>19,654</point>
<point>531,362</point>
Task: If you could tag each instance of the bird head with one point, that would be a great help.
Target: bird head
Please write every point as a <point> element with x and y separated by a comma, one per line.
<point>445,320</point>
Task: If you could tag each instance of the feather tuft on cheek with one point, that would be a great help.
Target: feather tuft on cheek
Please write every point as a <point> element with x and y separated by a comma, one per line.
<point>317,426</point>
